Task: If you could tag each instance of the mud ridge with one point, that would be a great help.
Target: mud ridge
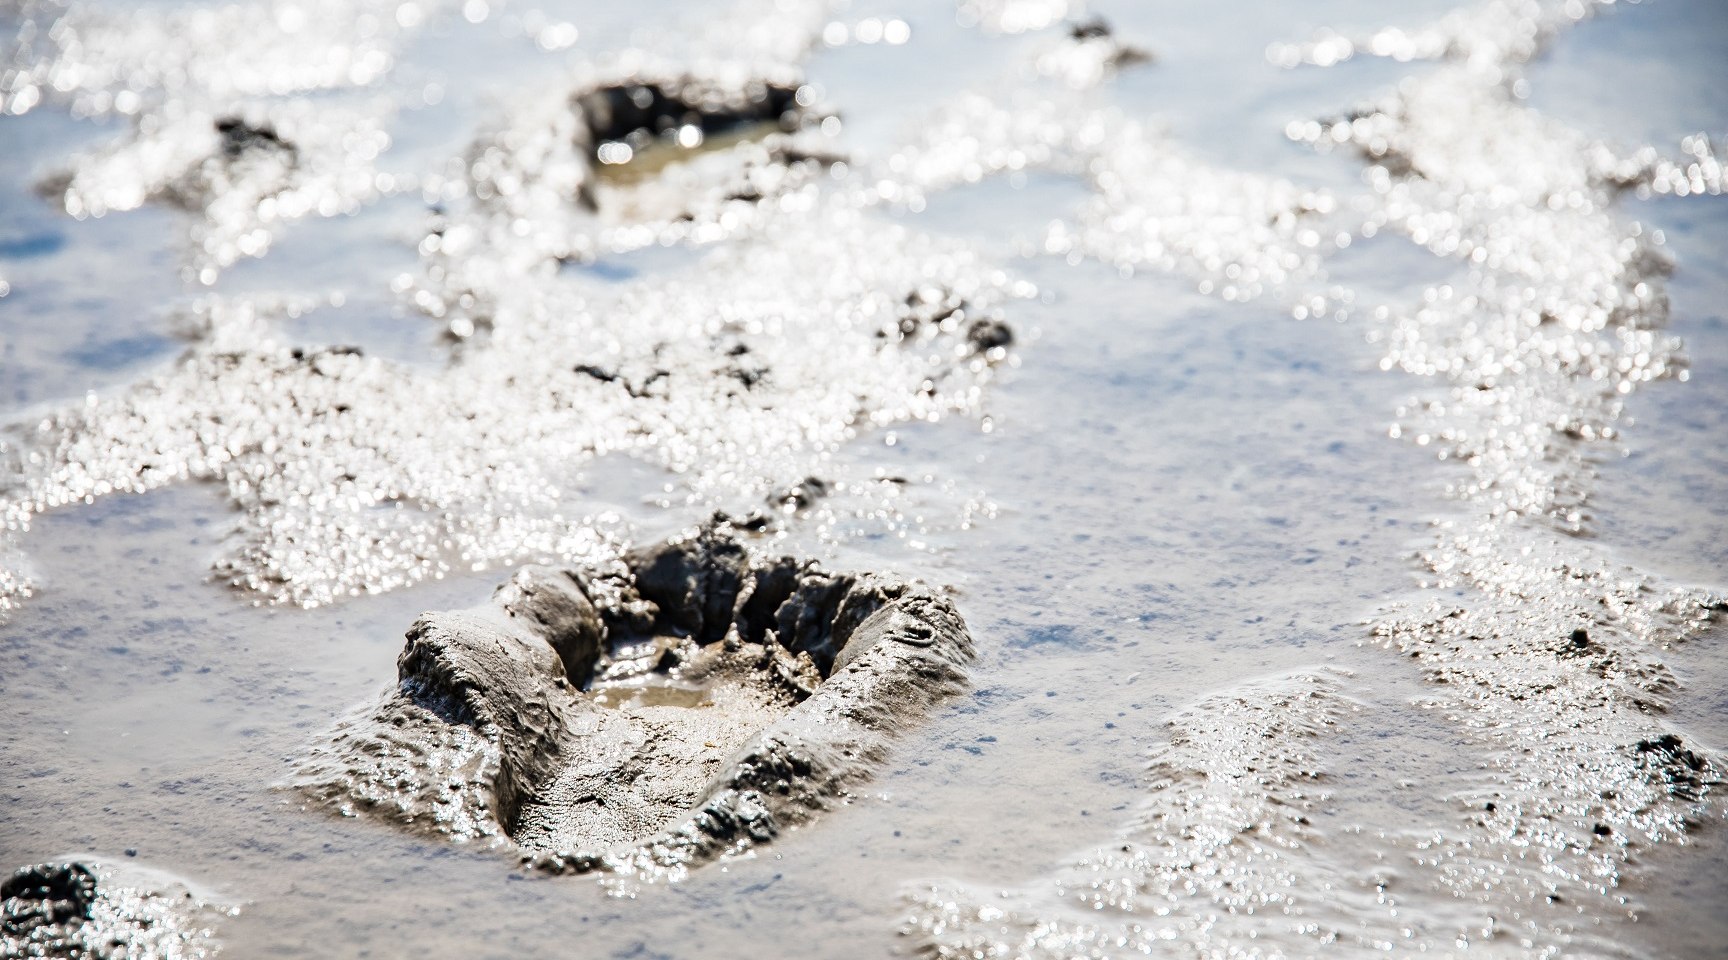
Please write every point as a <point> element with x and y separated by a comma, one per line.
<point>1216,851</point>
<point>693,701</point>
<point>1534,639</point>
<point>1537,646</point>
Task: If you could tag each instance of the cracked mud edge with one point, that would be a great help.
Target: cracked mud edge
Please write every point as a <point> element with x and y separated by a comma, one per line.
<point>83,908</point>
<point>690,703</point>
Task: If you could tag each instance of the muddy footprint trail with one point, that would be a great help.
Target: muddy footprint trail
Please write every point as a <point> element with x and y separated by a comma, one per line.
<point>693,701</point>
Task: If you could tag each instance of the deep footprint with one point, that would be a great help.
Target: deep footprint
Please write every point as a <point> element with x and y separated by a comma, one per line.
<point>644,720</point>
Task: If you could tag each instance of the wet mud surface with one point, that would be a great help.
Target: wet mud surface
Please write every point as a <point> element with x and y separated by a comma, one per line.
<point>1309,409</point>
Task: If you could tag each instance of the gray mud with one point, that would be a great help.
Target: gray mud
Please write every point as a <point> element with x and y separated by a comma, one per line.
<point>693,703</point>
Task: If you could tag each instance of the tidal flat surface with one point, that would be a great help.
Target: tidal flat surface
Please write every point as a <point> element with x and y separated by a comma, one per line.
<point>1342,532</point>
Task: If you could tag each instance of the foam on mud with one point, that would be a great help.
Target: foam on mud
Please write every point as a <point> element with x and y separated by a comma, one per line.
<point>1153,206</point>
<point>241,174</point>
<point>91,909</point>
<point>645,718</point>
<point>816,321</point>
<point>1536,641</point>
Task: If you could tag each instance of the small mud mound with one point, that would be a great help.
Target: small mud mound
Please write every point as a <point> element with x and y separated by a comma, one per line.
<point>692,702</point>
<point>72,910</point>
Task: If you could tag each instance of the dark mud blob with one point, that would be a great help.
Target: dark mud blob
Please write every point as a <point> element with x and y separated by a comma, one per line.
<point>64,910</point>
<point>987,335</point>
<point>929,313</point>
<point>649,384</point>
<point>1686,774</point>
<point>655,119</point>
<point>695,701</point>
<point>802,495</point>
<point>240,138</point>
<point>1097,30</point>
<point>46,895</point>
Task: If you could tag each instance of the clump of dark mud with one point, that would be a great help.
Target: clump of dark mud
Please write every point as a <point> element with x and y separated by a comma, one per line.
<point>46,895</point>
<point>68,910</point>
<point>691,702</point>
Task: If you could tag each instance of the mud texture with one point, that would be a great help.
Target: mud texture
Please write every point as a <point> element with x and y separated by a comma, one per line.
<point>72,910</point>
<point>209,124</point>
<point>713,136</point>
<point>691,702</point>
<point>471,464</point>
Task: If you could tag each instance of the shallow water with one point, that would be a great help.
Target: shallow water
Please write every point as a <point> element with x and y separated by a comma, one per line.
<point>1181,501</point>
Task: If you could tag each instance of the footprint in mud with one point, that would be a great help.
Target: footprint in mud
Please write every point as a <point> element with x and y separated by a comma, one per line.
<point>663,155</point>
<point>681,148</point>
<point>651,718</point>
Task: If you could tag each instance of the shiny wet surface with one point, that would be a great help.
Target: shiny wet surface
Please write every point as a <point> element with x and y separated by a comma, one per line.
<point>1186,494</point>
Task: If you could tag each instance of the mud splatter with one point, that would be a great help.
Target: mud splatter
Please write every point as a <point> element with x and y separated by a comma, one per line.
<point>644,719</point>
